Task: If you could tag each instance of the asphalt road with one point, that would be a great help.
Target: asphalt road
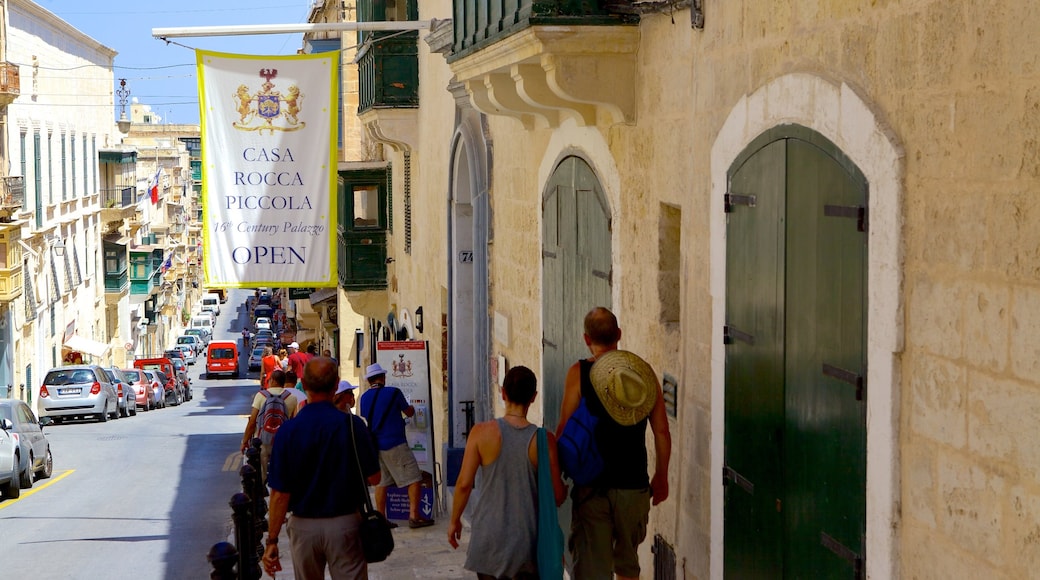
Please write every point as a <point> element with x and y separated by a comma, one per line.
<point>140,497</point>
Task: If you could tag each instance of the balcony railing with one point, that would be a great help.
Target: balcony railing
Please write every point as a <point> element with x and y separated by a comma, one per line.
<point>388,71</point>
<point>117,282</point>
<point>362,262</point>
<point>479,23</point>
<point>10,83</point>
<point>118,197</point>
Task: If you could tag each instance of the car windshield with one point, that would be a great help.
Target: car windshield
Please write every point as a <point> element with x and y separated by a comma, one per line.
<point>127,376</point>
<point>258,352</point>
<point>185,340</point>
<point>6,413</point>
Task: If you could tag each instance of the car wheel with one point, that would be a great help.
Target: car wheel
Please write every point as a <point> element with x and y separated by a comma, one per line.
<point>103,416</point>
<point>48,466</point>
<point>125,411</point>
<point>133,409</point>
<point>11,489</point>
<point>26,477</point>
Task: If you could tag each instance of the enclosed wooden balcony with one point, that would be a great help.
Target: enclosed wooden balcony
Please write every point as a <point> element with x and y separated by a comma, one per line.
<point>542,62</point>
<point>11,282</point>
<point>363,229</point>
<point>10,83</point>
<point>12,197</point>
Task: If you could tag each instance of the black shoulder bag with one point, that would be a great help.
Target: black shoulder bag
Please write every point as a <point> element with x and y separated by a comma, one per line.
<point>377,541</point>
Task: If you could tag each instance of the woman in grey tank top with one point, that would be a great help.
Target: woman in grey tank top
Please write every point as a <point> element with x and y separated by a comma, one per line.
<point>505,515</point>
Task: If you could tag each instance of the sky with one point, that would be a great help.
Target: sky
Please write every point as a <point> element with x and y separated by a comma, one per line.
<point>163,75</point>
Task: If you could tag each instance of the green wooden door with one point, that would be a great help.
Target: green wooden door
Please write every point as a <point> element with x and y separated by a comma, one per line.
<point>576,272</point>
<point>795,433</point>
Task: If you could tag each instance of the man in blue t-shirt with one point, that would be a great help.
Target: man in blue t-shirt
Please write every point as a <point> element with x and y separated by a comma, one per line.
<point>319,463</point>
<point>382,407</point>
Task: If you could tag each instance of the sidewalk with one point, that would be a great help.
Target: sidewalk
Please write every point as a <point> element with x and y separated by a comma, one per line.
<point>421,553</point>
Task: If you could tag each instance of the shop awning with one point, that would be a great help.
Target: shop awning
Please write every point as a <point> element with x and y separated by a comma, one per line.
<point>87,346</point>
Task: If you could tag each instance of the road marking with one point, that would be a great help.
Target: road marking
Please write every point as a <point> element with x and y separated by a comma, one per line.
<point>233,462</point>
<point>28,492</point>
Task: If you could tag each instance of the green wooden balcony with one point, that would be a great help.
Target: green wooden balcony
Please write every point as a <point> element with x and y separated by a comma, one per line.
<point>362,215</point>
<point>117,282</point>
<point>480,23</point>
<point>388,71</point>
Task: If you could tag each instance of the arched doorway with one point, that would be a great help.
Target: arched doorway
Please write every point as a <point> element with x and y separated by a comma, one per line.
<point>795,462</point>
<point>576,271</point>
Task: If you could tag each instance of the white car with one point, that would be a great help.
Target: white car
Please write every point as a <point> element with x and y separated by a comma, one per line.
<point>263,323</point>
<point>189,353</point>
<point>10,484</point>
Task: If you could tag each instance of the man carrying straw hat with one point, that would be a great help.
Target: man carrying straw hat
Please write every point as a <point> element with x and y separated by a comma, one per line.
<point>610,514</point>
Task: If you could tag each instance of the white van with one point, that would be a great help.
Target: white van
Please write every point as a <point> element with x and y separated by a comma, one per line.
<point>203,320</point>
<point>211,303</point>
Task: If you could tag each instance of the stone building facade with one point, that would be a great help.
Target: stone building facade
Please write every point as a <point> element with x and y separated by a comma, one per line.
<point>646,142</point>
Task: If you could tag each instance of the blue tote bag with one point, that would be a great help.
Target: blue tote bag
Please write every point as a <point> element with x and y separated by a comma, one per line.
<point>550,537</point>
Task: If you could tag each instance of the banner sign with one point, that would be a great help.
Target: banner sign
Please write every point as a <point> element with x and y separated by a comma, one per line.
<point>408,368</point>
<point>269,169</point>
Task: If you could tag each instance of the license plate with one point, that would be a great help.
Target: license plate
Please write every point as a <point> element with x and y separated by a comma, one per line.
<point>70,391</point>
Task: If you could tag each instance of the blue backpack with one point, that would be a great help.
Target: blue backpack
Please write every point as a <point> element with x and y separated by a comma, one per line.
<point>580,458</point>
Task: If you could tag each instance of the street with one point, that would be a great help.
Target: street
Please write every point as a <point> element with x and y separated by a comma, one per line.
<point>139,498</point>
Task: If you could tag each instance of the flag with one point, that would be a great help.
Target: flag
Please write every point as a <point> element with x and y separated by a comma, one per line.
<point>168,264</point>
<point>270,184</point>
<point>154,187</point>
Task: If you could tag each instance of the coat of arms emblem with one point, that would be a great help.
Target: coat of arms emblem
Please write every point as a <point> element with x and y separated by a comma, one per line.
<point>268,109</point>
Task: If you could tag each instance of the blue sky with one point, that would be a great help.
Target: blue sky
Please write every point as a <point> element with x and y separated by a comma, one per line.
<point>150,66</point>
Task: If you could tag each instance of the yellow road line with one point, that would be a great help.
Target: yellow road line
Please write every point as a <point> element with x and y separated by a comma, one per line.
<point>39,487</point>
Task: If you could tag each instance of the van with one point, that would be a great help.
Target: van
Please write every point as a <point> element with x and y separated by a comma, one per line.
<point>211,303</point>
<point>203,320</point>
<point>222,359</point>
<point>221,292</point>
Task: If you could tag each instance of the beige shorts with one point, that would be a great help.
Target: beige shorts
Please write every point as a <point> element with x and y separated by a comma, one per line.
<point>398,467</point>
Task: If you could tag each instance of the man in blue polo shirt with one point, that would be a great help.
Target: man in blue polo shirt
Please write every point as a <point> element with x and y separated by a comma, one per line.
<point>314,476</point>
<point>382,407</point>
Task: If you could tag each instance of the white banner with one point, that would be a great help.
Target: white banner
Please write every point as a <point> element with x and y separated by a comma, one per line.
<point>268,169</point>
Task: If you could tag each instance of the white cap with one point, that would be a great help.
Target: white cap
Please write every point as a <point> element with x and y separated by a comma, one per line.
<point>294,345</point>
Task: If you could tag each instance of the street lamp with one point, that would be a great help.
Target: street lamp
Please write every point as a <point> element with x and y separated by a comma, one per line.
<point>59,248</point>
<point>122,92</point>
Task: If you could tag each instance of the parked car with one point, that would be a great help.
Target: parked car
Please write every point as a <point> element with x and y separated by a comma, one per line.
<point>9,471</point>
<point>146,394</point>
<point>203,334</point>
<point>255,357</point>
<point>189,353</point>
<point>263,323</point>
<point>173,389</point>
<point>33,450</point>
<point>181,372</point>
<point>193,341</point>
<point>127,396</point>
<point>263,334</point>
<point>158,384</point>
<point>222,359</point>
<point>211,303</point>
<point>77,391</point>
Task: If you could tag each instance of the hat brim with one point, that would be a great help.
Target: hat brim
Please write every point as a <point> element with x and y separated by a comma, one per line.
<point>602,378</point>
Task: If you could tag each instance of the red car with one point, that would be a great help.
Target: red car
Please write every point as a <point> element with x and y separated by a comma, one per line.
<point>149,392</point>
<point>174,390</point>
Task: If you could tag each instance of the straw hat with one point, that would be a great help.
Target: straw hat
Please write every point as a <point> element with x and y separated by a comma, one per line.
<point>626,386</point>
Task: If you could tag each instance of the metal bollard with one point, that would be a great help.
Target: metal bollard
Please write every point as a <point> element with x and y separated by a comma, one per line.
<point>253,458</point>
<point>223,557</point>
<point>250,486</point>
<point>245,537</point>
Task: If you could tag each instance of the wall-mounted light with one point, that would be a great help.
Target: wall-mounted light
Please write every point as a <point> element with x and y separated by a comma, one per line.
<point>58,248</point>
<point>418,319</point>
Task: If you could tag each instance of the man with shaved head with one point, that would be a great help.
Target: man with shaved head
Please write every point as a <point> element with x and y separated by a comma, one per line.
<point>610,514</point>
<point>314,475</point>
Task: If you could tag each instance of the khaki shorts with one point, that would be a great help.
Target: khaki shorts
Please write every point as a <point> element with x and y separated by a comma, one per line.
<point>398,467</point>
<point>606,529</point>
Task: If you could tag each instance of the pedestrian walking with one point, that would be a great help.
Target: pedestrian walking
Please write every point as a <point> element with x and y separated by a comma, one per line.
<point>316,476</point>
<point>384,408</point>
<point>297,359</point>
<point>610,514</point>
<point>268,364</point>
<point>504,537</point>
<point>271,408</point>
<point>344,398</point>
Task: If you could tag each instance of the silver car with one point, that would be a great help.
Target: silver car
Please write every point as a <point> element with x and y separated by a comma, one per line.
<point>78,391</point>
<point>9,471</point>
<point>34,451</point>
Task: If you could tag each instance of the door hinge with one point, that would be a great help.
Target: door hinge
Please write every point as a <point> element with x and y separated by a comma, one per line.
<point>547,343</point>
<point>608,276</point>
<point>733,199</point>
<point>856,212</point>
<point>729,334</point>
<point>844,553</point>
<point>845,376</point>
<point>728,475</point>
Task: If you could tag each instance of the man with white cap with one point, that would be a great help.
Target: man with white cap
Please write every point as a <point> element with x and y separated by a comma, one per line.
<point>297,359</point>
<point>344,397</point>
<point>382,407</point>
<point>610,513</point>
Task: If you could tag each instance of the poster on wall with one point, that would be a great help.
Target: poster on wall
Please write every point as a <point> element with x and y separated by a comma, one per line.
<point>408,368</point>
<point>269,169</point>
